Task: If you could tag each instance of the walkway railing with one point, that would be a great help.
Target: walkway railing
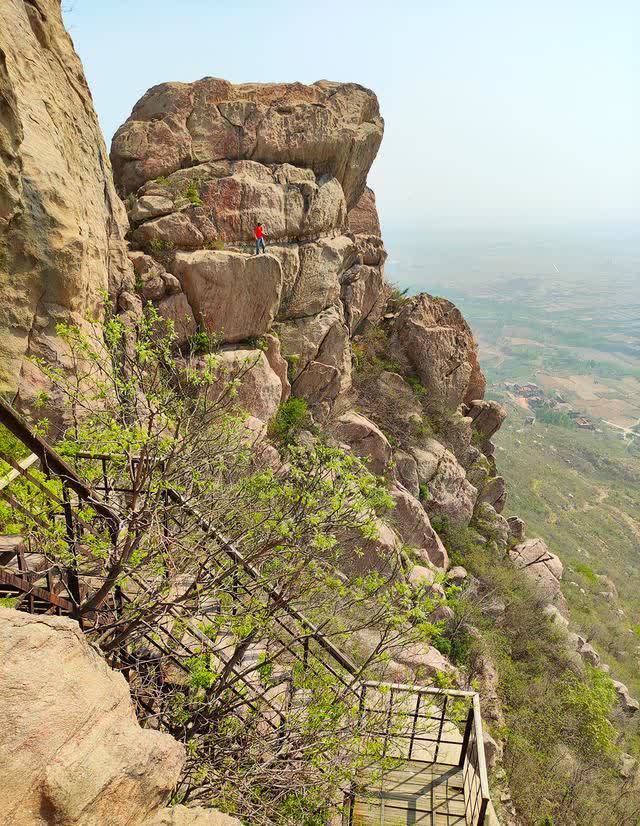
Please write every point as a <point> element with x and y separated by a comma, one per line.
<point>419,725</point>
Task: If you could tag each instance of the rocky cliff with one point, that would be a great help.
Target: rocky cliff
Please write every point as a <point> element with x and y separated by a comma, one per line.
<point>393,379</point>
<point>62,225</point>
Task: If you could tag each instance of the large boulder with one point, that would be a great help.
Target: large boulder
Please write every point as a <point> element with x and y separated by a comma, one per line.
<point>256,387</point>
<point>363,217</point>
<point>365,439</point>
<point>317,282</point>
<point>487,416</point>
<point>62,226</point>
<point>331,128</point>
<point>414,528</point>
<point>73,751</point>
<point>317,348</point>
<point>543,568</point>
<point>441,348</point>
<point>445,489</point>
<point>232,295</point>
<point>363,295</point>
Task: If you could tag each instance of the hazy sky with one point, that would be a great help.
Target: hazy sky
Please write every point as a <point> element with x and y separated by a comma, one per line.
<point>498,112</point>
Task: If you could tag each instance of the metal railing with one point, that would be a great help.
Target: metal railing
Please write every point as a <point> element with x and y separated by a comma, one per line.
<point>417,724</point>
<point>428,727</point>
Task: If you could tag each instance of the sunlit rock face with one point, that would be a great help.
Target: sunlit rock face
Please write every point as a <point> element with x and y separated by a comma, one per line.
<point>62,226</point>
<point>201,164</point>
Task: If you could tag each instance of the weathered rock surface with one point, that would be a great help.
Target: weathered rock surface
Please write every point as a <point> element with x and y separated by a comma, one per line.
<point>73,751</point>
<point>258,389</point>
<point>363,217</point>
<point>494,492</point>
<point>318,347</point>
<point>232,295</point>
<point>62,225</point>
<point>487,416</point>
<point>223,201</point>
<point>440,345</point>
<point>332,128</point>
<point>543,567</point>
<point>365,439</point>
<point>414,528</point>
<point>629,704</point>
<point>450,492</point>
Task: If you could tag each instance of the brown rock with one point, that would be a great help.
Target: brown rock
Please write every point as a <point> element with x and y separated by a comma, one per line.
<point>62,225</point>
<point>365,439</point>
<point>414,528</point>
<point>363,219</point>
<point>258,390</point>
<point>317,284</point>
<point>543,567</point>
<point>406,469</point>
<point>73,751</point>
<point>440,345</point>
<point>278,364</point>
<point>450,492</point>
<point>177,310</point>
<point>487,416</point>
<point>494,492</point>
<point>318,350</point>
<point>224,200</point>
<point>362,295</point>
<point>150,206</point>
<point>517,528</point>
<point>334,129</point>
<point>192,816</point>
<point>233,295</point>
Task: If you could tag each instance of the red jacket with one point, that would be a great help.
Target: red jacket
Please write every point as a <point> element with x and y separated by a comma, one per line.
<point>258,232</point>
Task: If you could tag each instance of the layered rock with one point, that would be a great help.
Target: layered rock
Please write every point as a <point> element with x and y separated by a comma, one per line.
<point>333,129</point>
<point>62,226</point>
<point>203,163</point>
<point>73,751</point>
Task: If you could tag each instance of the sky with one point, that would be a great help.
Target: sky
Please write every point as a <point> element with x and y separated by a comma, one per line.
<point>498,113</point>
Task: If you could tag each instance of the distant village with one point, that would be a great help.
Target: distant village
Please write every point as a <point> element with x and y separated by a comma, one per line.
<point>535,397</point>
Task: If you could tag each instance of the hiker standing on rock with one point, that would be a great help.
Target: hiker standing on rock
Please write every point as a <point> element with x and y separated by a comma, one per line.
<point>259,236</point>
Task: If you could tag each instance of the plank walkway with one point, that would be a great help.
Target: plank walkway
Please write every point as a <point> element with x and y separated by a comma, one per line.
<point>416,793</point>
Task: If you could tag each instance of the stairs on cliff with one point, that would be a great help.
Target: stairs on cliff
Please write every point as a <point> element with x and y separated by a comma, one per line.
<point>432,769</point>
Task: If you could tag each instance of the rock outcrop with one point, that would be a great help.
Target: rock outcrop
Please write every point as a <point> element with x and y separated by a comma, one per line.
<point>202,163</point>
<point>334,129</point>
<point>543,568</point>
<point>72,750</point>
<point>441,348</point>
<point>62,226</point>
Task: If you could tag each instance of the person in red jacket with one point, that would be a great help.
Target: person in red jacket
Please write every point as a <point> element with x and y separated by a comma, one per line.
<point>259,236</point>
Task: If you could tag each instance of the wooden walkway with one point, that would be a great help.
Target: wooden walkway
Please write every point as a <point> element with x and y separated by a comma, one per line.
<point>415,793</point>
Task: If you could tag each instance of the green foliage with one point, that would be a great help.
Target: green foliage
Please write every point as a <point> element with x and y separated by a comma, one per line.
<point>214,244</point>
<point>550,416</point>
<point>8,602</point>
<point>162,181</point>
<point>425,493</point>
<point>416,385</point>
<point>160,245</point>
<point>202,342</point>
<point>192,193</point>
<point>291,417</point>
<point>587,572</point>
<point>551,710</point>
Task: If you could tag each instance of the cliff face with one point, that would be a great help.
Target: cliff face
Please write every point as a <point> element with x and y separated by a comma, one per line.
<point>396,380</point>
<point>62,225</point>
